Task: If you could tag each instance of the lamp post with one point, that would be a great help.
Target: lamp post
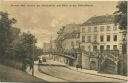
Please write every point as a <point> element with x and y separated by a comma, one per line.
<point>32,63</point>
<point>79,57</point>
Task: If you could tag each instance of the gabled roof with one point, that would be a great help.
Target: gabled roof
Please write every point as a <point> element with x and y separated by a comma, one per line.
<point>97,20</point>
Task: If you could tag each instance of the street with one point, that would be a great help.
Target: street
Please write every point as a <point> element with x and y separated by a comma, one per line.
<point>62,72</point>
<point>10,74</point>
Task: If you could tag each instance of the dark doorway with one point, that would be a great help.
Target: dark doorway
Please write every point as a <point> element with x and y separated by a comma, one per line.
<point>93,65</point>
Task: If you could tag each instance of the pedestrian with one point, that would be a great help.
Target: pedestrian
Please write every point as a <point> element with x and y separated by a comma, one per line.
<point>77,66</point>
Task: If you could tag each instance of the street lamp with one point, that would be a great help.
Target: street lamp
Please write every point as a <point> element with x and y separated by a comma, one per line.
<point>33,46</point>
<point>79,57</point>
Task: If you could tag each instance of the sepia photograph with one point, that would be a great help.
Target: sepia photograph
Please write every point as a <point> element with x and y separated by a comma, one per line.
<point>63,41</point>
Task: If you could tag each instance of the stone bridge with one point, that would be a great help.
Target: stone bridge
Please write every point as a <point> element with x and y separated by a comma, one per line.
<point>108,61</point>
<point>105,61</point>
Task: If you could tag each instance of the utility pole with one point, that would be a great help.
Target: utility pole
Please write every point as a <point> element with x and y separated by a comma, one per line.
<point>33,58</point>
<point>50,45</point>
<point>124,48</point>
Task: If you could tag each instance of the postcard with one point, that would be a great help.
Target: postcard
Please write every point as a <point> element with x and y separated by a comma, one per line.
<point>63,41</point>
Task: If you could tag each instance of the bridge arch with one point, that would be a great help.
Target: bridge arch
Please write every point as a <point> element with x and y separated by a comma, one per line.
<point>93,65</point>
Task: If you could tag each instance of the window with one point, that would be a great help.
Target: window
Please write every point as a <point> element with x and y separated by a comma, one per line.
<point>108,37</point>
<point>101,47</point>
<point>101,28</point>
<point>108,28</point>
<point>83,38</point>
<point>115,37</point>
<point>89,29</point>
<point>108,47</point>
<point>94,48</point>
<point>83,30</point>
<point>95,29</point>
<point>89,39</point>
<point>114,47</point>
<point>101,38</point>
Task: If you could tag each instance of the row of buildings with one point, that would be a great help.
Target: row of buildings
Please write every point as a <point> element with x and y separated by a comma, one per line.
<point>85,44</point>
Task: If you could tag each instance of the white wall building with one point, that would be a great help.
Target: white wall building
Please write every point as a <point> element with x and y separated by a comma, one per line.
<point>100,33</point>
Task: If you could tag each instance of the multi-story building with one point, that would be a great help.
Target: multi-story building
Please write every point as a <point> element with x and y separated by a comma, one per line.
<point>99,33</point>
<point>68,40</point>
<point>71,35</point>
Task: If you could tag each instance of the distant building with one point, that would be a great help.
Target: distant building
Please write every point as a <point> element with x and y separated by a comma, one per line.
<point>53,45</point>
<point>68,40</point>
<point>46,47</point>
<point>71,35</point>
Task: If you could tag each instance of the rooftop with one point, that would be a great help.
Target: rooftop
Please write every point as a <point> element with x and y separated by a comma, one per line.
<point>97,20</point>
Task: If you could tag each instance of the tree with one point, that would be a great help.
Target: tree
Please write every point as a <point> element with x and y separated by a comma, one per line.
<point>27,45</point>
<point>38,52</point>
<point>12,47</point>
<point>26,49</point>
<point>6,33</point>
<point>121,14</point>
<point>121,19</point>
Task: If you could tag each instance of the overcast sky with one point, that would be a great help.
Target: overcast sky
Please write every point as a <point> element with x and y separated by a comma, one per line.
<point>44,21</point>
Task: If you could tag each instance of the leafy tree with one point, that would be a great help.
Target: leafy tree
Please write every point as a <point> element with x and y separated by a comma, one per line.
<point>121,19</point>
<point>12,48</point>
<point>6,33</point>
<point>27,45</point>
<point>121,14</point>
<point>26,49</point>
<point>16,45</point>
<point>38,52</point>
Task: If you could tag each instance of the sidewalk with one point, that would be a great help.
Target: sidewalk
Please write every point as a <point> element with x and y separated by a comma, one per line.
<point>44,76</point>
<point>93,72</point>
<point>10,74</point>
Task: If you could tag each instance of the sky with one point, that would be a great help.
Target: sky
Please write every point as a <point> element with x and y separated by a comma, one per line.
<point>44,21</point>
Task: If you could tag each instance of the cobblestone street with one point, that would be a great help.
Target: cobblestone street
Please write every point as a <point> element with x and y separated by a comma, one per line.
<point>60,71</point>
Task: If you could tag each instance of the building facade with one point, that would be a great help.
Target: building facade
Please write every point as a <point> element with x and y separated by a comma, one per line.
<point>99,33</point>
<point>71,35</point>
<point>67,41</point>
